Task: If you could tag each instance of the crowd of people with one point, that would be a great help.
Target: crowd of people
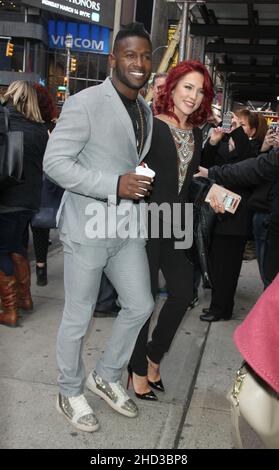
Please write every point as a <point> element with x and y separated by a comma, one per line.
<point>92,160</point>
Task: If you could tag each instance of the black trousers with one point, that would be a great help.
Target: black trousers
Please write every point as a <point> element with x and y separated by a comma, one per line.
<point>40,241</point>
<point>271,262</point>
<point>226,255</point>
<point>178,273</point>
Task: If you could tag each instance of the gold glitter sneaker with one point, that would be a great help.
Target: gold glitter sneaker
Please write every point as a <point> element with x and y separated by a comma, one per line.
<point>113,393</point>
<point>78,412</point>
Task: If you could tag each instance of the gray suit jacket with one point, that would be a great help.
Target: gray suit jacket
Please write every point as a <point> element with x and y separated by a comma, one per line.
<point>92,144</point>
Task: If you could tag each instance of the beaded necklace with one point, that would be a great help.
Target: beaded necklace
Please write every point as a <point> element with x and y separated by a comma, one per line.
<point>140,129</point>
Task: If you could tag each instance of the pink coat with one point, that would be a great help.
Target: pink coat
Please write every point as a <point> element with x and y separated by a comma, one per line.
<point>257,338</point>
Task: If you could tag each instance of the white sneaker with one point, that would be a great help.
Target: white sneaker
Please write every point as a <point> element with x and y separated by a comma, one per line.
<point>113,393</point>
<point>78,412</point>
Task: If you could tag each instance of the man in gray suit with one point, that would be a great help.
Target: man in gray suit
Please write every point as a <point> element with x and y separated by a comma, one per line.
<point>103,133</point>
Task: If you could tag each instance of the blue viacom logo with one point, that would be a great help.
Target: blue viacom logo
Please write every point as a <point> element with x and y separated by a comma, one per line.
<point>86,37</point>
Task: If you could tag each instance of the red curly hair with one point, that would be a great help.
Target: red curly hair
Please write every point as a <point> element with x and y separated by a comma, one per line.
<point>165,103</point>
<point>46,103</point>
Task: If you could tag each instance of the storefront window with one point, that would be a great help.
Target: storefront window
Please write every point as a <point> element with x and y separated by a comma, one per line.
<point>82,65</point>
<point>91,69</point>
<point>103,67</point>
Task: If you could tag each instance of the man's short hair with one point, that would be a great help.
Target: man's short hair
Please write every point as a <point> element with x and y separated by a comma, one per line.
<point>132,29</point>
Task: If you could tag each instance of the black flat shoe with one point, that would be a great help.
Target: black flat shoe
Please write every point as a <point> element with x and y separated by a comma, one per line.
<point>41,273</point>
<point>148,396</point>
<point>158,385</point>
<point>106,313</point>
<point>209,317</point>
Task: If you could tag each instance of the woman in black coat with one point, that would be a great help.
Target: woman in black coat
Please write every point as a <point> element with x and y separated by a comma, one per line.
<point>174,156</point>
<point>231,230</point>
<point>254,173</point>
<point>18,203</point>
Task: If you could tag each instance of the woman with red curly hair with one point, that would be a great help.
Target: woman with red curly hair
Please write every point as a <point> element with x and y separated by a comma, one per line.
<point>183,105</point>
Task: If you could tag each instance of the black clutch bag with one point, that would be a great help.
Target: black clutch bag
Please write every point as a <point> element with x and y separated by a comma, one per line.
<point>204,222</point>
<point>50,202</point>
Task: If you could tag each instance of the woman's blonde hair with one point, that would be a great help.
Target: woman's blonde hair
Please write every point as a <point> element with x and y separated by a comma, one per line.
<point>24,98</point>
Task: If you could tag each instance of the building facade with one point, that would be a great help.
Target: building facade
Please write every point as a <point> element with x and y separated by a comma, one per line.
<point>38,29</point>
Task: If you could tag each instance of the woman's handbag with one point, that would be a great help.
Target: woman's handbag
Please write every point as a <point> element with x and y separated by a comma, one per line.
<point>50,202</point>
<point>204,221</point>
<point>255,394</point>
<point>254,400</point>
<point>11,155</point>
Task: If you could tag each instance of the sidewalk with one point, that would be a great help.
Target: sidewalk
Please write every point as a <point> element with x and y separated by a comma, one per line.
<point>208,421</point>
<point>197,373</point>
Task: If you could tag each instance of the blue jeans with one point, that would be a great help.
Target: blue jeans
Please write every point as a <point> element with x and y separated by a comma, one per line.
<point>260,226</point>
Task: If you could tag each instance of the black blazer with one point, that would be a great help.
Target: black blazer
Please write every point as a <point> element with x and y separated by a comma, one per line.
<point>162,158</point>
<point>253,172</point>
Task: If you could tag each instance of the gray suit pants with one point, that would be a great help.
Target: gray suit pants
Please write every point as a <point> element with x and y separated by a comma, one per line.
<point>126,266</point>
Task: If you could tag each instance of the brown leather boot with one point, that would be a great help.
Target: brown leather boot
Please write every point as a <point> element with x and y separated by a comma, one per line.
<point>23,278</point>
<point>9,315</point>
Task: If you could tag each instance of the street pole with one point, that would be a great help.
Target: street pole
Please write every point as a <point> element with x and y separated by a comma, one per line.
<point>184,27</point>
<point>26,42</point>
<point>69,45</point>
<point>116,22</point>
<point>117,19</point>
<point>169,52</point>
<point>67,92</point>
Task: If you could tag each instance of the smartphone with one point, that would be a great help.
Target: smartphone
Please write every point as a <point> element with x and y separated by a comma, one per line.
<point>230,203</point>
<point>274,126</point>
<point>228,198</point>
<point>227,121</point>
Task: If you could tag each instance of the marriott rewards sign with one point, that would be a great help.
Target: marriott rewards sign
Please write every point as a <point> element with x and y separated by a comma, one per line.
<point>101,12</point>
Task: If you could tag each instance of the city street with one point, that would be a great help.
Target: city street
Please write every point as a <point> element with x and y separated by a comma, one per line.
<point>92,95</point>
<point>197,373</point>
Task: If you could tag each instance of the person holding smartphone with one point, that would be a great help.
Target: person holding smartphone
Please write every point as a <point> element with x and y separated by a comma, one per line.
<point>245,139</point>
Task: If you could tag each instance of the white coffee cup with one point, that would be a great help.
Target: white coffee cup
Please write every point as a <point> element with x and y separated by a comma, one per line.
<point>145,171</point>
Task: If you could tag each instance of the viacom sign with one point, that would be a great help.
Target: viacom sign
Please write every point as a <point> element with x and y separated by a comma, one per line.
<point>101,12</point>
<point>86,37</point>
